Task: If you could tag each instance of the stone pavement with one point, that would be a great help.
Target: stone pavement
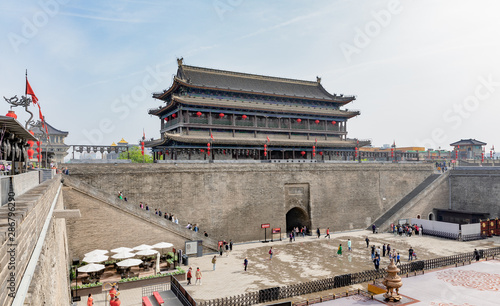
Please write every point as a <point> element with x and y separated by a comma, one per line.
<point>309,259</point>
<point>304,260</point>
<point>475,284</point>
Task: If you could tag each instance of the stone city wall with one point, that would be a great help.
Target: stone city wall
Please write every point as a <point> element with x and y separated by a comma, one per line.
<point>18,239</point>
<point>476,190</point>
<point>231,201</point>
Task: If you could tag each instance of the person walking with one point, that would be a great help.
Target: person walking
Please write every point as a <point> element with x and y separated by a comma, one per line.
<point>398,259</point>
<point>318,232</point>
<point>245,263</point>
<point>230,245</point>
<point>410,254</point>
<point>214,261</point>
<point>374,227</point>
<point>373,252</point>
<point>377,252</point>
<point>327,232</point>
<point>383,250</point>
<point>376,262</point>
<point>290,236</point>
<point>189,275</point>
<point>476,254</point>
<point>339,251</point>
<point>90,300</point>
<point>198,276</point>
<point>271,253</point>
<point>349,245</point>
<point>388,249</point>
<point>367,240</point>
<point>227,249</point>
<point>221,249</point>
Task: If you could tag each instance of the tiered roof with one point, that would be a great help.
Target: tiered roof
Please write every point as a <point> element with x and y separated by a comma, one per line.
<point>199,77</point>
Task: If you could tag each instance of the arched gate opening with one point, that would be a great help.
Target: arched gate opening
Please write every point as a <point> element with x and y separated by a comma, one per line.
<point>297,217</point>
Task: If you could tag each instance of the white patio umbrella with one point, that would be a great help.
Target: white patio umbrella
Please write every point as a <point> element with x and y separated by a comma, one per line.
<point>129,262</point>
<point>123,255</point>
<point>147,252</point>
<point>96,252</point>
<point>95,258</point>
<point>142,247</point>
<point>162,245</point>
<point>91,268</point>
<point>121,249</point>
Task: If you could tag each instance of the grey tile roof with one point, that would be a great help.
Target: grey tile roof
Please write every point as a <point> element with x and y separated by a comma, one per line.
<point>221,79</point>
<point>468,142</point>
<point>52,130</point>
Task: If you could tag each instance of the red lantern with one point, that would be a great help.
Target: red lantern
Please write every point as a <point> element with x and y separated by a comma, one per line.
<point>244,117</point>
<point>11,114</point>
<point>38,150</point>
<point>265,150</point>
<point>299,120</point>
<point>38,143</point>
<point>38,156</point>
<point>221,115</point>
<point>174,116</point>
<point>31,143</point>
<point>317,121</point>
<point>202,151</point>
<point>198,114</point>
<point>30,153</point>
<point>208,148</point>
<point>142,152</point>
<point>142,143</point>
<point>303,153</point>
<point>166,119</point>
<point>321,153</point>
<point>334,122</point>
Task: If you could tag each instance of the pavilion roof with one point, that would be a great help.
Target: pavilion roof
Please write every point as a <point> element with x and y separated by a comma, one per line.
<point>253,83</point>
<point>14,127</point>
<point>262,106</point>
<point>468,142</point>
<point>51,130</point>
<point>197,139</point>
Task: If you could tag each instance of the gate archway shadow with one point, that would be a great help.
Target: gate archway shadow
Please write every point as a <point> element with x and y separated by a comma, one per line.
<point>297,217</point>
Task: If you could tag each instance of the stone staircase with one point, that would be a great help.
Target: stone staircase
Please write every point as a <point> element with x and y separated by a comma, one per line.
<point>132,207</point>
<point>389,215</point>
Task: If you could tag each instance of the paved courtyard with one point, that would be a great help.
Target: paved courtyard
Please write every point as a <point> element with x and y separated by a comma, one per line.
<point>304,260</point>
<point>475,284</point>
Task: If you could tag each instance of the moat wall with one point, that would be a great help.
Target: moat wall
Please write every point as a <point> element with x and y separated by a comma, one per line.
<point>231,201</point>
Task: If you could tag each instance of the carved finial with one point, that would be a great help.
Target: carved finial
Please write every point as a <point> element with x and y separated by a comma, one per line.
<point>318,79</point>
<point>179,61</point>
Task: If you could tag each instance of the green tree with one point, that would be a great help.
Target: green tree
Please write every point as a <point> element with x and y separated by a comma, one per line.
<point>134,154</point>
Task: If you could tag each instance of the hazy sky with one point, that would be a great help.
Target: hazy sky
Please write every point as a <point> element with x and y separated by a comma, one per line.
<point>424,72</point>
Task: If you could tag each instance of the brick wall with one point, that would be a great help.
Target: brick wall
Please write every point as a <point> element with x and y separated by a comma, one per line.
<point>231,201</point>
<point>31,210</point>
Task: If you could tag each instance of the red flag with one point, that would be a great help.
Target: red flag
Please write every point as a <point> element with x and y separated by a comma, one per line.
<point>211,136</point>
<point>315,139</point>
<point>268,139</point>
<point>29,91</point>
<point>143,134</point>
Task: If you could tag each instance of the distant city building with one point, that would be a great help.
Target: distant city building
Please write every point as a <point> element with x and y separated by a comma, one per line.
<point>55,146</point>
<point>235,115</point>
<point>120,147</point>
<point>469,148</point>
